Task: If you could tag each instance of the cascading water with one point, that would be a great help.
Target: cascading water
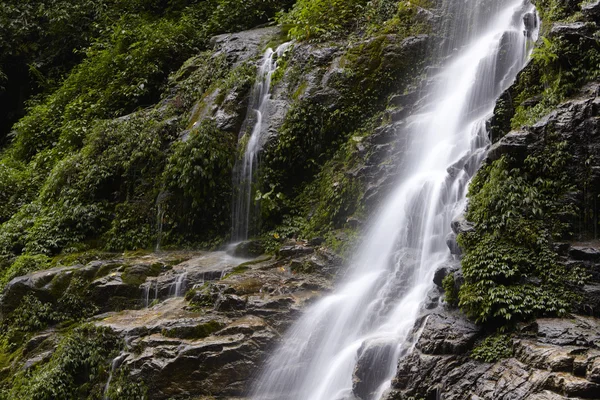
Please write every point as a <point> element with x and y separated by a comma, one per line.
<point>367,319</point>
<point>245,170</point>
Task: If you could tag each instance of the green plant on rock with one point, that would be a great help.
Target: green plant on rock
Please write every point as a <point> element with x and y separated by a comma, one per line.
<point>79,364</point>
<point>123,387</point>
<point>198,177</point>
<point>493,348</point>
<point>450,292</point>
<point>511,270</point>
<point>311,19</point>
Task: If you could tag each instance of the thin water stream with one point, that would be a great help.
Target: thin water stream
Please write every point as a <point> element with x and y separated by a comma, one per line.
<point>244,174</point>
<point>366,320</point>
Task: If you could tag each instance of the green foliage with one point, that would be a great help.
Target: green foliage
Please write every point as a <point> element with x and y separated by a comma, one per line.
<point>398,17</point>
<point>322,18</point>
<point>450,291</point>
<point>122,387</point>
<point>198,178</point>
<point>493,348</point>
<point>555,10</point>
<point>71,179</point>
<point>33,314</point>
<point>80,362</point>
<point>554,75</point>
<point>510,268</point>
<point>328,19</point>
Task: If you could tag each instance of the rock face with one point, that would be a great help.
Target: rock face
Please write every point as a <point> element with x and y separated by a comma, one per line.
<point>213,340</point>
<point>553,359</point>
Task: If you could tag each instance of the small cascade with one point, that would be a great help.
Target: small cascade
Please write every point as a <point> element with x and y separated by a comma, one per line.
<point>160,217</point>
<point>178,287</point>
<point>146,289</point>
<point>245,170</point>
<point>116,362</point>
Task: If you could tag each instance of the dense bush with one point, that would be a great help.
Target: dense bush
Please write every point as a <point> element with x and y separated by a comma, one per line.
<point>314,18</point>
<point>510,267</point>
<point>197,180</point>
<point>329,19</point>
<point>78,368</point>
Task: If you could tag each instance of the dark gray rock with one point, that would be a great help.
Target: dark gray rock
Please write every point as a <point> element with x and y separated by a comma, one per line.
<point>230,302</point>
<point>583,253</point>
<point>249,249</point>
<point>447,333</point>
<point>461,225</point>
<point>443,271</point>
<point>514,143</point>
<point>591,10</point>
<point>295,250</point>
<point>374,356</point>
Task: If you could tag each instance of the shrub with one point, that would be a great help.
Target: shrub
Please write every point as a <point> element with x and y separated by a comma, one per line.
<point>80,362</point>
<point>511,270</point>
<point>493,348</point>
<point>197,178</point>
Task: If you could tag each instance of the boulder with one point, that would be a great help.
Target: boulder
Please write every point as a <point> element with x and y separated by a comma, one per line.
<point>374,358</point>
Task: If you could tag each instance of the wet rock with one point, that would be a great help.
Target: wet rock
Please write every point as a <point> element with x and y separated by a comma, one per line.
<point>590,304</point>
<point>447,333</point>
<point>249,249</point>
<point>591,10</point>
<point>241,46</point>
<point>575,331</point>
<point>461,225</point>
<point>230,302</point>
<point>217,365</point>
<point>443,271</point>
<point>294,251</point>
<point>514,143</point>
<point>583,253</point>
<point>374,357</point>
<point>112,293</point>
<point>453,244</point>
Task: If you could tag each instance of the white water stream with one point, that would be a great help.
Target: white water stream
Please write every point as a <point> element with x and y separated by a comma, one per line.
<point>366,320</point>
<point>245,170</point>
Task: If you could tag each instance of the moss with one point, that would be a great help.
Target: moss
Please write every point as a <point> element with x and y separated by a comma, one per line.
<point>240,269</point>
<point>83,257</point>
<point>300,90</point>
<point>199,331</point>
<point>247,286</point>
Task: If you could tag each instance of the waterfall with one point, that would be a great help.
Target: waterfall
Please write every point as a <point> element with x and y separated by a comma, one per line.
<point>116,362</point>
<point>245,170</point>
<point>160,216</point>
<point>347,345</point>
<point>177,288</point>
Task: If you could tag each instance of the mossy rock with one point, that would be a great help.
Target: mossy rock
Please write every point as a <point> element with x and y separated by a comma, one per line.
<point>199,331</point>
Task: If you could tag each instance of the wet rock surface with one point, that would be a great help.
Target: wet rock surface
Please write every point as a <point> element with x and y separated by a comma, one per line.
<point>211,341</point>
<point>553,359</point>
